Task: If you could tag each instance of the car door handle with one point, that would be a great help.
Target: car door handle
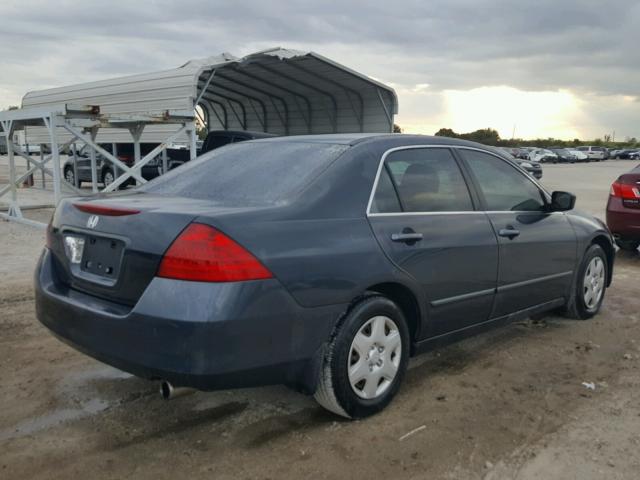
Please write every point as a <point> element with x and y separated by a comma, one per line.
<point>406,237</point>
<point>510,233</point>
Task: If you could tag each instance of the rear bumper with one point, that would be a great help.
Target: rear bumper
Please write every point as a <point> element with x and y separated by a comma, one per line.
<point>622,221</point>
<point>202,335</point>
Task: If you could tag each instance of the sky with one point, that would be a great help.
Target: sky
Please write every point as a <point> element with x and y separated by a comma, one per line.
<point>539,68</point>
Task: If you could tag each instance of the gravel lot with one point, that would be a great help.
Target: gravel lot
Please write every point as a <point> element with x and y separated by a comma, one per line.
<point>507,404</point>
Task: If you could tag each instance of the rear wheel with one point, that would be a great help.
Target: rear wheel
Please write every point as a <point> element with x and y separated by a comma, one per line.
<point>589,286</point>
<point>628,245</point>
<point>70,177</point>
<point>107,177</point>
<point>366,359</point>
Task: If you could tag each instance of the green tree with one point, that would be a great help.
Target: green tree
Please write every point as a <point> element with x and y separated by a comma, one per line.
<point>446,132</point>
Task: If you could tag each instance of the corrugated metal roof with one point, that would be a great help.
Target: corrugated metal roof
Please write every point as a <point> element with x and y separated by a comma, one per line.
<point>279,91</point>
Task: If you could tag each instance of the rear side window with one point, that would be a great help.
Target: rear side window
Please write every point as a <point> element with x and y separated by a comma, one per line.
<point>248,173</point>
<point>425,179</point>
<point>503,186</point>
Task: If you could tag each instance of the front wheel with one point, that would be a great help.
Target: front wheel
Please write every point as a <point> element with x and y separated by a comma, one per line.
<point>589,285</point>
<point>365,360</point>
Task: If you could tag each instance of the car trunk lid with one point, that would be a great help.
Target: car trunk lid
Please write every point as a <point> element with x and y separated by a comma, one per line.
<point>111,247</point>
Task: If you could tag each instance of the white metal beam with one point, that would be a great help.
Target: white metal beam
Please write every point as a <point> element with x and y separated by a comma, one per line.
<point>87,140</point>
<point>134,171</point>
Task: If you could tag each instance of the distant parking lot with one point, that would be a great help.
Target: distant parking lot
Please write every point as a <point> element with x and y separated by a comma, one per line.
<point>507,404</point>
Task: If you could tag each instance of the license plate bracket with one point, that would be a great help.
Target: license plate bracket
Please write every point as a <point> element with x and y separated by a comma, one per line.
<point>102,256</point>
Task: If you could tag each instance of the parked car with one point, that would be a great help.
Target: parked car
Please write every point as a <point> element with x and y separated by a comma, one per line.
<point>622,153</point>
<point>532,168</point>
<point>321,262</point>
<point>564,155</point>
<point>543,155</point>
<point>106,171</point>
<point>580,156</point>
<point>178,154</point>
<point>635,155</point>
<point>623,210</point>
<point>594,153</point>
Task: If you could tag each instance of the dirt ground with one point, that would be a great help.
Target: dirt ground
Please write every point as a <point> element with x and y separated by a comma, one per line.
<point>507,404</point>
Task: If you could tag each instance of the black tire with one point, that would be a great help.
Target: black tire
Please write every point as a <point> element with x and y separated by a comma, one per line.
<point>70,177</point>
<point>576,307</point>
<point>628,245</point>
<point>334,391</point>
<point>105,177</point>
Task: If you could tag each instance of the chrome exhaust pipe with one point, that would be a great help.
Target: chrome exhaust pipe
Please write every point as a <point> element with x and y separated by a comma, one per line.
<point>168,391</point>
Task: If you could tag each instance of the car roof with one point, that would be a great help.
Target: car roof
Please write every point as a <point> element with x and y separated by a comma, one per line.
<point>376,138</point>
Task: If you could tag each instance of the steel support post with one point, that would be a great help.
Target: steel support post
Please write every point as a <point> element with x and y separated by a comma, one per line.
<point>14,208</point>
<point>193,147</point>
<point>44,181</point>
<point>93,132</point>
<point>165,163</point>
<point>53,123</point>
<point>76,182</point>
<point>136,134</point>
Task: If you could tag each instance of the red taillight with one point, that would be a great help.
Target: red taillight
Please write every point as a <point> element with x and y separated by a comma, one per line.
<point>105,210</point>
<point>203,254</point>
<point>625,191</point>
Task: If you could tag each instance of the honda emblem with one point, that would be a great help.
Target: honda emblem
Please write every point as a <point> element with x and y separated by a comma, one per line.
<point>93,221</point>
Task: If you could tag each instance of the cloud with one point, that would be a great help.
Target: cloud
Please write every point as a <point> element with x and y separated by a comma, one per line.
<point>585,47</point>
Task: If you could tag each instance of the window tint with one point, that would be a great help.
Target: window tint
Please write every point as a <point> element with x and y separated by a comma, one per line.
<point>427,180</point>
<point>503,186</point>
<point>385,200</point>
<point>247,173</point>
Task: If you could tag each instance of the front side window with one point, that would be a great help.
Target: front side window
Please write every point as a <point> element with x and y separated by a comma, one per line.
<point>504,188</point>
<point>421,180</point>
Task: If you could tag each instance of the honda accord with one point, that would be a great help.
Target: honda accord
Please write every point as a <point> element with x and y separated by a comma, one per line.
<point>319,262</point>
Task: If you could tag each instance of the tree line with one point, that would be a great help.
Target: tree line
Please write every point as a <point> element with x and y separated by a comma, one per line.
<point>489,136</point>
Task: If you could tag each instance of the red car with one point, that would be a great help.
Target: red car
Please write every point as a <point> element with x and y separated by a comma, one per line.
<point>623,210</point>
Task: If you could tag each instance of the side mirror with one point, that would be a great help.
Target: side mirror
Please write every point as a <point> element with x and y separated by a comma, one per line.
<point>562,201</point>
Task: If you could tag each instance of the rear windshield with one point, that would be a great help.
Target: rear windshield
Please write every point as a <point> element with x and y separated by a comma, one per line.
<point>248,173</point>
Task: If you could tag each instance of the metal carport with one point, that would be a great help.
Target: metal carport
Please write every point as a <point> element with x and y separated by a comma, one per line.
<point>280,91</point>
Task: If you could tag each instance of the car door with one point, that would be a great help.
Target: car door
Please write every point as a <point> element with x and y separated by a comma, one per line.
<point>537,247</point>
<point>423,215</point>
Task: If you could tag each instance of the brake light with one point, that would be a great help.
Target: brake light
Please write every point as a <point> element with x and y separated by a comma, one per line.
<point>203,254</point>
<point>105,210</point>
<point>625,191</point>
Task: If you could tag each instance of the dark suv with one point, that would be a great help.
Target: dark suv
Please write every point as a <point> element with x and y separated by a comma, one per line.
<point>220,138</point>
